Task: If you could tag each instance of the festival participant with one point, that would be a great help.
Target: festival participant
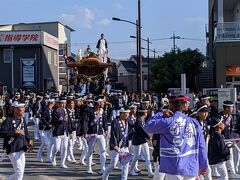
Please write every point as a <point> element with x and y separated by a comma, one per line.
<point>226,114</point>
<point>37,111</point>
<point>73,124</point>
<point>81,114</point>
<point>218,151</point>
<point>102,47</point>
<point>202,114</point>
<point>119,144</point>
<point>97,130</point>
<point>182,145</point>
<point>45,126</point>
<point>16,140</point>
<point>27,108</point>
<point>139,142</point>
<point>60,132</point>
<point>132,119</point>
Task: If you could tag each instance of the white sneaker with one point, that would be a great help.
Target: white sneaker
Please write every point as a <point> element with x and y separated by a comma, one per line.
<point>137,170</point>
<point>54,162</point>
<point>64,166</point>
<point>234,176</point>
<point>150,175</point>
<point>83,163</point>
<point>39,159</point>
<point>133,173</point>
<point>89,172</point>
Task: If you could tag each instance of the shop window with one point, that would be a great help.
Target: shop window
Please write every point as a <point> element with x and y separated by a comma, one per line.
<point>7,55</point>
<point>62,70</point>
<point>61,52</point>
<point>145,77</point>
<point>237,78</point>
<point>229,79</point>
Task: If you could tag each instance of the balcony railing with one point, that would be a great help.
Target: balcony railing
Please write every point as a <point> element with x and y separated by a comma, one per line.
<point>227,31</point>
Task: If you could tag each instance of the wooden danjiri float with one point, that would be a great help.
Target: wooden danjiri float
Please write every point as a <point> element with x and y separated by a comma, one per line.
<point>89,67</point>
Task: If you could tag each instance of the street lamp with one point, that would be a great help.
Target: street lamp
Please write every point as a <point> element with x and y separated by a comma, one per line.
<point>139,58</point>
<point>139,52</point>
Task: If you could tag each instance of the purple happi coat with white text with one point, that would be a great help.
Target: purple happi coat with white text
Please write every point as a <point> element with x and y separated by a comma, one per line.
<point>182,144</point>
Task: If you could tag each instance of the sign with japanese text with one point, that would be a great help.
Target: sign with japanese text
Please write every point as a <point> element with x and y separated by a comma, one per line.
<point>232,70</point>
<point>20,37</point>
<point>28,72</point>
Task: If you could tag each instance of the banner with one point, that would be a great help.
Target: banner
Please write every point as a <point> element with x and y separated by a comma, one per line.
<point>28,72</point>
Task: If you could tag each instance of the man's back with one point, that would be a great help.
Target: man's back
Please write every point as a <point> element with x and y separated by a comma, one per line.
<point>182,145</point>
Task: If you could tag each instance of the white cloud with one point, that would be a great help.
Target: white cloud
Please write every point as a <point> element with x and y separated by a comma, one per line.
<point>81,17</point>
<point>104,22</point>
<point>118,6</point>
<point>197,19</point>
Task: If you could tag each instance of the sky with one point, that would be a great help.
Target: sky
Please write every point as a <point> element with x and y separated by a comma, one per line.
<point>90,18</point>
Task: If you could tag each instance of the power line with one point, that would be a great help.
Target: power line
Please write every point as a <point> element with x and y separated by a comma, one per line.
<point>90,43</point>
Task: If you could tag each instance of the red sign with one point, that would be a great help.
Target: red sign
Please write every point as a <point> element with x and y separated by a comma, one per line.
<point>20,37</point>
<point>232,70</point>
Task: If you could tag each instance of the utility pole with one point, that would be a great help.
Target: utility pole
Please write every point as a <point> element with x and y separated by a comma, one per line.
<point>140,54</point>
<point>137,60</point>
<point>174,41</point>
<point>148,42</point>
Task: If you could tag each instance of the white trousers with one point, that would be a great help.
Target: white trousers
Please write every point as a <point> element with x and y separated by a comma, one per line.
<point>50,147</point>
<point>45,138</point>
<point>18,162</point>
<point>230,162</point>
<point>222,170</point>
<point>107,139</point>
<point>158,175</point>
<point>113,163</point>
<point>85,149</point>
<point>71,142</point>
<point>36,128</point>
<point>136,152</point>
<point>178,177</point>
<point>100,139</point>
<point>26,117</point>
<point>60,142</point>
<point>236,154</point>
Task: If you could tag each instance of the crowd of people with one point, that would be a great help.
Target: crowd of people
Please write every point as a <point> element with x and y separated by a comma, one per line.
<point>186,144</point>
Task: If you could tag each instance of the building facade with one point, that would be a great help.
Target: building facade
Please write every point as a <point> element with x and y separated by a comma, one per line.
<point>50,68</point>
<point>224,42</point>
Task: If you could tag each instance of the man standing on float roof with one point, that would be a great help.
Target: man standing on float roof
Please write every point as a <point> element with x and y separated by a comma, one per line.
<point>102,47</point>
<point>182,146</point>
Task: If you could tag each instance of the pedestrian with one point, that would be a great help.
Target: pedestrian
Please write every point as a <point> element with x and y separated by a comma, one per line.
<point>16,140</point>
<point>218,151</point>
<point>45,131</point>
<point>119,143</point>
<point>97,130</point>
<point>182,145</point>
<point>140,142</point>
<point>60,132</point>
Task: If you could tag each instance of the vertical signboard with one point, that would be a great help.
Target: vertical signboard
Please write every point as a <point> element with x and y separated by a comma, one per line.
<point>223,95</point>
<point>28,72</point>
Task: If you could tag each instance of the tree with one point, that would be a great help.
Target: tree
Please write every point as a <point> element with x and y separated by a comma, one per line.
<point>166,72</point>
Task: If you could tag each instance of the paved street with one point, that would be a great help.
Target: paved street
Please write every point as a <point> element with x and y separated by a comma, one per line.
<point>45,171</point>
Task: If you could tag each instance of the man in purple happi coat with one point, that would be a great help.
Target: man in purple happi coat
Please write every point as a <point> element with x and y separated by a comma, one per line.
<point>182,146</point>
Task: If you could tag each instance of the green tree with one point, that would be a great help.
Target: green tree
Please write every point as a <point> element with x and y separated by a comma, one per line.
<point>166,72</point>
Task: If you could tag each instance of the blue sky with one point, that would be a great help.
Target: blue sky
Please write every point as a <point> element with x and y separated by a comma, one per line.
<point>90,18</point>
